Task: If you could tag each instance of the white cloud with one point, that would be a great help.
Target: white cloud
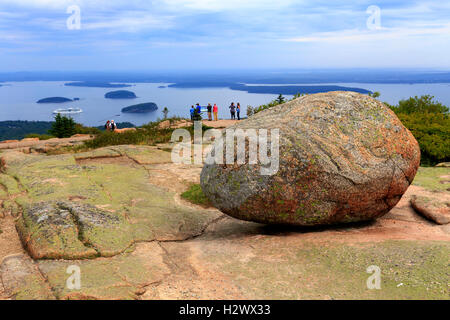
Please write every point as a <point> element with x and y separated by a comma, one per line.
<point>355,35</point>
<point>220,5</point>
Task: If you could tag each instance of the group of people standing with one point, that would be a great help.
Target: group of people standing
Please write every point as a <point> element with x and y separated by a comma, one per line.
<point>110,125</point>
<point>235,110</point>
<point>212,110</point>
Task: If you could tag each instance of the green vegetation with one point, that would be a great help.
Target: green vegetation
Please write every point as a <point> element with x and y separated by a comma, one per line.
<point>375,95</point>
<point>280,100</point>
<point>423,104</point>
<point>63,127</point>
<point>80,129</point>
<point>55,100</point>
<point>149,134</point>
<point>39,136</point>
<point>195,195</point>
<point>429,122</point>
<point>165,112</point>
<point>432,178</point>
<point>17,130</point>
<point>141,108</point>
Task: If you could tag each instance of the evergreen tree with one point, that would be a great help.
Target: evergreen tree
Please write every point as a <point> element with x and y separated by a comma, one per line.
<point>165,112</point>
<point>280,99</point>
<point>375,95</point>
<point>63,127</point>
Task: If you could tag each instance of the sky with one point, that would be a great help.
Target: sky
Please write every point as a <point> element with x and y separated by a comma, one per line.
<point>145,35</point>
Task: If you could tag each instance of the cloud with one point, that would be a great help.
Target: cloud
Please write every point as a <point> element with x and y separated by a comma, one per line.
<point>214,31</point>
<point>233,5</point>
<point>384,34</point>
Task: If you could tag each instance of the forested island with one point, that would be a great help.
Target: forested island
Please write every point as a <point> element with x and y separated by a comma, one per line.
<point>264,89</point>
<point>141,108</point>
<point>292,90</point>
<point>97,84</point>
<point>121,94</point>
<point>55,100</point>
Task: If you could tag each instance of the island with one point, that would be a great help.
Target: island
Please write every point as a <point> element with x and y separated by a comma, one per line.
<point>141,108</point>
<point>121,94</point>
<point>267,89</point>
<point>55,100</point>
<point>162,87</point>
<point>292,90</point>
<point>97,84</point>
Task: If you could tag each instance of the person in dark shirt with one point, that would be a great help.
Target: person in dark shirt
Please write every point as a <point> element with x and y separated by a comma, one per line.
<point>233,111</point>
<point>209,112</point>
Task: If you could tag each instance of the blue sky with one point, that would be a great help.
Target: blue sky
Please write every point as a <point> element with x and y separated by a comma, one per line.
<point>223,34</point>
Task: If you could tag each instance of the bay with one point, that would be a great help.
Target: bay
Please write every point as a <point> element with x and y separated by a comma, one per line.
<point>18,99</point>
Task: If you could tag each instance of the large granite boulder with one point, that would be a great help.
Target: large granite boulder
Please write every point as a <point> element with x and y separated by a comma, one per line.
<point>343,157</point>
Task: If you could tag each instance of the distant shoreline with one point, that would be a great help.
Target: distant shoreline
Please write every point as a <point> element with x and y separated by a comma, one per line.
<point>96,84</point>
<point>261,76</point>
<point>268,89</point>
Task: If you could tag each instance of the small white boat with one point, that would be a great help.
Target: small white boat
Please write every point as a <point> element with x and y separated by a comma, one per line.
<point>68,111</point>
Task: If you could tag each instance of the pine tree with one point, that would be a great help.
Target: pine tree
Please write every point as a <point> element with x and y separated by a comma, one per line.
<point>280,99</point>
<point>63,127</point>
<point>165,112</point>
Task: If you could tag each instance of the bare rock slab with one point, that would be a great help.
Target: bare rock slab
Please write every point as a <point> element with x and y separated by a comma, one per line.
<point>432,209</point>
<point>95,209</point>
<point>122,277</point>
<point>343,157</point>
<point>22,280</point>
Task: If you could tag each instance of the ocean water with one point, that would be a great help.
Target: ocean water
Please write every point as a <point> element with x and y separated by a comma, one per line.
<point>18,100</point>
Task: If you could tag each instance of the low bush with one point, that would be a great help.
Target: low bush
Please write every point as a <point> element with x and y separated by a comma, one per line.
<point>149,134</point>
<point>39,136</point>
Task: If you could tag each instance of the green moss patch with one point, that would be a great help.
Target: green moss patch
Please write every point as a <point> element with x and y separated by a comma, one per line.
<point>195,195</point>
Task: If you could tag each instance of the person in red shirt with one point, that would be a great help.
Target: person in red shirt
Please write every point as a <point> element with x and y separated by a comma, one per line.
<point>215,111</point>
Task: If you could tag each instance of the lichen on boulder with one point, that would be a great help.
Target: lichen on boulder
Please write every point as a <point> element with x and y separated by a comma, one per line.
<point>344,157</point>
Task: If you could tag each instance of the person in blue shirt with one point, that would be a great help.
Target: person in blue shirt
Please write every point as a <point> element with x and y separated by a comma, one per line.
<point>199,108</point>
<point>192,112</point>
